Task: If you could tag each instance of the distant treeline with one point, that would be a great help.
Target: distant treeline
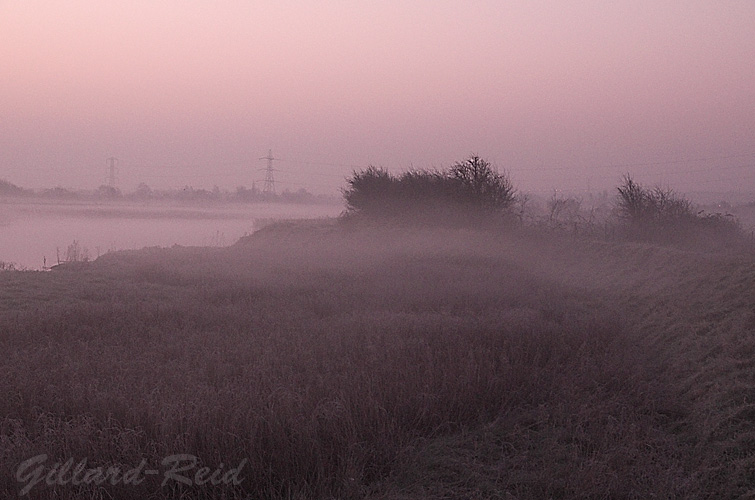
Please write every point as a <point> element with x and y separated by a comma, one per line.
<point>190,194</point>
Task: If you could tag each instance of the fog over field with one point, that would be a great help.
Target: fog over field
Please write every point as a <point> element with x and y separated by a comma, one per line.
<point>377,250</point>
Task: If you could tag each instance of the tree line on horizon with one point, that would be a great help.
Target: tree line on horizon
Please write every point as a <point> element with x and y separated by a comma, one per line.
<point>144,193</point>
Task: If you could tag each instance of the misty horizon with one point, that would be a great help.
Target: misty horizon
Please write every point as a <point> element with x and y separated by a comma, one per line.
<point>568,97</point>
<point>227,177</point>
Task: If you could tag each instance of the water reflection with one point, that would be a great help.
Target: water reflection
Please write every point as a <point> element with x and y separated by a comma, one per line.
<point>32,233</point>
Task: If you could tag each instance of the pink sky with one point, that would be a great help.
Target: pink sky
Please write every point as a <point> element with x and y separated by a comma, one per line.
<point>562,94</point>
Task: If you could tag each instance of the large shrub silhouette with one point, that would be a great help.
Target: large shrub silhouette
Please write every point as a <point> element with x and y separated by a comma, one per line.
<point>471,186</point>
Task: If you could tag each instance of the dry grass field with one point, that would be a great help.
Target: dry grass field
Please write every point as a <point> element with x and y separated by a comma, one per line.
<point>351,362</point>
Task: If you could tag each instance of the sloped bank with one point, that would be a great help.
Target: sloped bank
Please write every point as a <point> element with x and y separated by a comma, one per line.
<point>348,361</point>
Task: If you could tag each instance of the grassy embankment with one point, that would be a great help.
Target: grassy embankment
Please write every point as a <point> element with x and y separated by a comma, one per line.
<point>386,364</point>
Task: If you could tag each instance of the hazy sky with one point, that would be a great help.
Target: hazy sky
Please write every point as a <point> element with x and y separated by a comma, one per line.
<point>563,94</point>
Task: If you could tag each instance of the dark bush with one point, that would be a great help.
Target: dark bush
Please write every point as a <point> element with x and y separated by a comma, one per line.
<point>373,190</point>
<point>471,187</point>
<point>642,207</point>
<point>663,215</point>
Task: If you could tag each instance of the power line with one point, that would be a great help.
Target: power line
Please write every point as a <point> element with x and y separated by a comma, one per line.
<point>546,168</point>
<point>347,165</point>
<point>320,174</point>
<point>188,165</point>
<point>304,184</point>
<point>539,167</point>
<point>613,176</point>
<point>531,174</point>
<point>676,162</point>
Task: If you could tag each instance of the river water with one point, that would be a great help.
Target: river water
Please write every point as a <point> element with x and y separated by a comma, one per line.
<point>35,233</point>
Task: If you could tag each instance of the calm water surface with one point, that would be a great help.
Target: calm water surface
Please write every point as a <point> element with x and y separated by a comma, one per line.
<point>35,232</point>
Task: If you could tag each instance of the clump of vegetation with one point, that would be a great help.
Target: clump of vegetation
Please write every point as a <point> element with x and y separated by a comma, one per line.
<point>74,253</point>
<point>109,192</point>
<point>10,189</point>
<point>10,266</point>
<point>661,214</point>
<point>470,187</point>
<point>643,207</point>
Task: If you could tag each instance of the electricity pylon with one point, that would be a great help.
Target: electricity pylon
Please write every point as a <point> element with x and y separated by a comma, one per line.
<point>269,178</point>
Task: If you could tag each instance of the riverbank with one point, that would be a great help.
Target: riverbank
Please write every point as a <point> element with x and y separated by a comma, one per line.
<point>350,362</point>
